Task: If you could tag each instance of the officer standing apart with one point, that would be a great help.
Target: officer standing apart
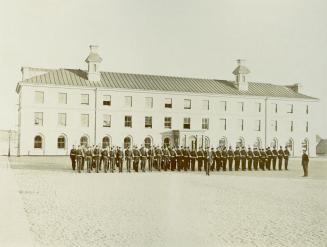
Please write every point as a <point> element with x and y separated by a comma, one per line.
<point>305,163</point>
<point>73,154</point>
<point>286,156</point>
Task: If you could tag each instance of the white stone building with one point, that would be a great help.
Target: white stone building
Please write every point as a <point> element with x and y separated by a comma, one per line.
<point>62,107</point>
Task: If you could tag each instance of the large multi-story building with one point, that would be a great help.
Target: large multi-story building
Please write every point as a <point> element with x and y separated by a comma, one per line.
<point>62,107</point>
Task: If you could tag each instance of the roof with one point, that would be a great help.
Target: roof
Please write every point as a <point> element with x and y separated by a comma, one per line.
<point>114,80</point>
<point>322,147</point>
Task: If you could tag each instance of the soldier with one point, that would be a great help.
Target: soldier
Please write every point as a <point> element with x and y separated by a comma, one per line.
<point>186,158</point>
<point>159,158</point>
<point>224,158</point>
<point>269,158</point>
<point>286,156</point>
<point>112,160</point>
<point>83,157</point>
<point>213,161</point>
<point>243,158</point>
<point>166,158</point>
<point>128,158</point>
<point>105,158</point>
<point>256,156</point>
<point>280,157</point>
<point>120,158</point>
<point>193,159</point>
<point>305,163</point>
<point>173,158</point>
<point>274,157</point>
<point>179,155</point>
<point>136,158</point>
<point>144,157</point>
<point>151,155</point>
<point>230,156</point>
<point>73,157</point>
<point>218,159</point>
<point>200,155</point>
<point>263,158</point>
<point>206,157</point>
<point>250,158</point>
<point>79,154</point>
<point>88,158</point>
<point>237,157</point>
<point>211,156</point>
<point>96,158</point>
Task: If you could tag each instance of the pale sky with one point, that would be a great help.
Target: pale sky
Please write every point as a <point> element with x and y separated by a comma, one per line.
<point>283,41</point>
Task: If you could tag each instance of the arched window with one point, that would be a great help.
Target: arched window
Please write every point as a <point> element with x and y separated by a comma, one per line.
<point>290,146</point>
<point>305,145</point>
<point>257,143</point>
<point>167,142</point>
<point>223,142</point>
<point>84,141</point>
<point>61,142</point>
<point>38,142</point>
<point>147,142</point>
<point>105,142</point>
<point>206,142</point>
<point>127,142</point>
<point>274,143</point>
<point>240,142</point>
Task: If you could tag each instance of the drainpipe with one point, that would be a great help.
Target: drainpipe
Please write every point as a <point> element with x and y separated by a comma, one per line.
<point>95,114</point>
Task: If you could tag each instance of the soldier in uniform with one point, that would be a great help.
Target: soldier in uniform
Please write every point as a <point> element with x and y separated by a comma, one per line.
<point>186,159</point>
<point>211,156</point>
<point>269,158</point>
<point>286,156</point>
<point>200,155</point>
<point>213,162</point>
<point>243,158</point>
<point>263,157</point>
<point>112,159</point>
<point>179,156</point>
<point>84,148</point>
<point>73,157</point>
<point>166,158</point>
<point>280,157</point>
<point>136,159</point>
<point>230,156</point>
<point>105,159</point>
<point>274,157</point>
<point>128,158</point>
<point>88,158</point>
<point>159,158</point>
<point>151,155</point>
<point>120,158</point>
<point>250,158</point>
<point>218,159</point>
<point>237,157</point>
<point>79,154</point>
<point>193,159</point>
<point>224,158</point>
<point>305,163</point>
<point>96,158</point>
<point>205,157</point>
<point>256,156</point>
<point>144,157</point>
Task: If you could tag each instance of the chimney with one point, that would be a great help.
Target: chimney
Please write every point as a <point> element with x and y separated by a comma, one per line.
<point>93,61</point>
<point>297,87</point>
<point>240,76</point>
<point>25,73</point>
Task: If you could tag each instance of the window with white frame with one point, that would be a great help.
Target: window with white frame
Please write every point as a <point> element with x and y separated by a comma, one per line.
<point>275,107</point>
<point>223,124</point>
<point>257,125</point>
<point>106,120</point>
<point>168,102</point>
<point>106,101</point>
<point>62,119</point>
<point>128,101</point>
<point>258,107</point>
<point>307,109</point>
<point>205,123</point>
<point>148,102</point>
<point>241,124</point>
<point>187,104</point>
<point>148,122</point>
<point>291,126</point>
<point>85,120</point>
<point>187,123</point>
<point>167,123</point>
<point>223,105</point>
<point>241,106</point>
<point>307,126</point>
<point>85,99</point>
<point>274,124</point>
<point>128,121</point>
<point>61,142</point>
<point>39,97</point>
<point>62,98</point>
<point>290,108</point>
<point>38,118</point>
<point>205,105</point>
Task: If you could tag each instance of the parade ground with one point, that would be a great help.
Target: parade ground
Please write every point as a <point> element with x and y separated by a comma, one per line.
<point>244,208</point>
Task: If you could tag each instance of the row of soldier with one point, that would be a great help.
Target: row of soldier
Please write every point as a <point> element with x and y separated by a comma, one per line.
<point>182,158</point>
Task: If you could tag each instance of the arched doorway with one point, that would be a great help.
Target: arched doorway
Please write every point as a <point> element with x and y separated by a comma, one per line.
<point>84,141</point>
<point>290,146</point>
<point>240,142</point>
<point>38,142</point>
<point>148,142</point>
<point>166,142</point>
<point>192,142</point>
<point>258,143</point>
<point>274,143</point>
<point>305,145</point>
<point>206,142</point>
<point>128,142</point>
<point>223,142</point>
<point>106,142</point>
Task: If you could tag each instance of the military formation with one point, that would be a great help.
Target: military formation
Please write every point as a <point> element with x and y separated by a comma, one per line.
<point>96,159</point>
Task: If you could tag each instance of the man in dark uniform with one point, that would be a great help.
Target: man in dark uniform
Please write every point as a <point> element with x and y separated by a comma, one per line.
<point>84,148</point>
<point>151,155</point>
<point>88,158</point>
<point>250,158</point>
<point>179,156</point>
<point>256,156</point>
<point>280,157</point>
<point>230,156</point>
<point>237,158</point>
<point>144,157</point>
<point>128,158</point>
<point>243,158</point>
<point>112,159</point>
<point>213,161</point>
<point>96,158</point>
<point>305,163</point>
<point>136,158</point>
<point>73,157</point>
<point>224,158</point>
<point>173,158</point>
<point>218,159</point>
<point>79,154</point>
<point>269,158</point>
<point>200,156</point>
<point>105,159</point>
<point>286,156</point>
<point>263,158</point>
<point>186,158</point>
<point>120,158</point>
<point>193,159</point>
<point>274,159</point>
<point>159,158</point>
<point>166,160</point>
<point>211,156</point>
<point>206,157</point>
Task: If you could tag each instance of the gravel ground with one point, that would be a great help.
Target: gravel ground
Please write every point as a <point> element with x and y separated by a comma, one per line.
<point>263,208</point>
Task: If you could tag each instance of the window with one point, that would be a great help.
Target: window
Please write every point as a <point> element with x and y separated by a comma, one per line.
<point>307,126</point>
<point>241,124</point>
<point>127,142</point>
<point>148,101</point>
<point>84,99</point>
<point>241,106</point>
<point>85,120</point>
<point>106,120</point>
<point>105,142</point>
<point>274,125</point>
<point>223,105</point>
<point>258,107</point>
<point>61,142</point>
<point>187,123</point>
<point>106,100</point>
<point>128,121</point>
<point>38,143</point>
<point>168,103</point>
<point>84,141</point>
<point>148,122</point>
<point>187,104</point>
<point>62,98</point>
<point>290,108</point>
<point>167,142</point>
<point>275,107</point>
<point>205,123</point>
<point>167,122</point>
<point>205,105</point>
<point>62,119</point>
<point>292,126</point>
<point>38,118</point>
<point>39,97</point>
<point>258,125</point>
<point>147,142</point>
<point>128,101</point>
<point>307,109</point>
<point>223,124</point>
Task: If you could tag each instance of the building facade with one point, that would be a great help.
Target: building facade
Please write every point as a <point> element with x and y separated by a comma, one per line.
<point>60,108</point>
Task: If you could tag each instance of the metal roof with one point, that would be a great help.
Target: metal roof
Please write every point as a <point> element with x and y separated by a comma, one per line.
<point>114,80</point>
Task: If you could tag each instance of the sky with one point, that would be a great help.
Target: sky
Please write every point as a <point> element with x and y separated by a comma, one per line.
<point>282,41</point>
